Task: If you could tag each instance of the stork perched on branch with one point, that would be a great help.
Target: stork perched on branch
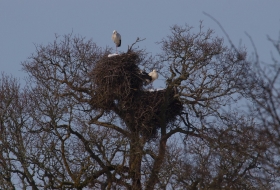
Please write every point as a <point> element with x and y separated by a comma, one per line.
<point>154,75</point>
<point>116,37</point>
<point>149,78</point>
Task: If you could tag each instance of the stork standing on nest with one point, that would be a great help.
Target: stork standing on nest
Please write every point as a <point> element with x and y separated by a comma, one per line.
<point>116,37</point>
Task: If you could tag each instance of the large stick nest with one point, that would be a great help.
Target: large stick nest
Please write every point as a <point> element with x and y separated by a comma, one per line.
<point>118,86</point>
<point>151,111</point>
<point>115,78</point>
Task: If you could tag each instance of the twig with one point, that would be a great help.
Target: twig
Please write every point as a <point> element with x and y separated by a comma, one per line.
<point>136,41</point>
<point>224,31</point>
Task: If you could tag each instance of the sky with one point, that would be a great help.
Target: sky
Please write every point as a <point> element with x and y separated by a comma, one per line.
<point>23,24</point>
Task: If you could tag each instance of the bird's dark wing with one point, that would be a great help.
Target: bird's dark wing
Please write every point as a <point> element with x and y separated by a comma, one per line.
<point>143,73</point>
<point>145,77</point>
<point>118,45</point>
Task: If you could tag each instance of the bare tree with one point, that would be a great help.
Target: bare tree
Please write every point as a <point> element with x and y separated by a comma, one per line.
<point>88,120</point>
<point>267,105</point>
<point>15,141</point>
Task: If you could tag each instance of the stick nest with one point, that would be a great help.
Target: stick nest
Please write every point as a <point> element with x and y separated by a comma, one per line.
<point>118,86</point>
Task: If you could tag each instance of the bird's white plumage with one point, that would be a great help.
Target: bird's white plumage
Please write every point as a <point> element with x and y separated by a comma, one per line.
<point>154,75</point>
<point>113,54</point>
<point>116,37</point>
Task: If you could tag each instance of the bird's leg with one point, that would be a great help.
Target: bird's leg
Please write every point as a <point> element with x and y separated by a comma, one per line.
<point>117,49</point>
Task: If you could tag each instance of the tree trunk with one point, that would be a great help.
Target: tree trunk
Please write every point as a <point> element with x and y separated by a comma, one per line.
<point>157,165</point>
<point>136,152</point>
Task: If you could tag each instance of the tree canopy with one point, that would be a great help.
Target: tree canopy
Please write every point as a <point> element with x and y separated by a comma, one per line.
<point>88,121</point>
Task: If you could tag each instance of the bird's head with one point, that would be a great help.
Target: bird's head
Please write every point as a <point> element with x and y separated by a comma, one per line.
<point>114,32</point>
<point>154,70</point>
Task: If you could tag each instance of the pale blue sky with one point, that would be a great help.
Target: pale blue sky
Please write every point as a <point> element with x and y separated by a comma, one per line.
<point>25,23</point>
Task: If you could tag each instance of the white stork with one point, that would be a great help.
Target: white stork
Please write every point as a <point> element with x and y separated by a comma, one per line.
<point>154,75</point>
<point>116,37</point>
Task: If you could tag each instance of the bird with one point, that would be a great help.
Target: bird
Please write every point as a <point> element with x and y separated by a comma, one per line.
<point>116,37</point>
<point>154,75</point>
<point>148,78</point>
